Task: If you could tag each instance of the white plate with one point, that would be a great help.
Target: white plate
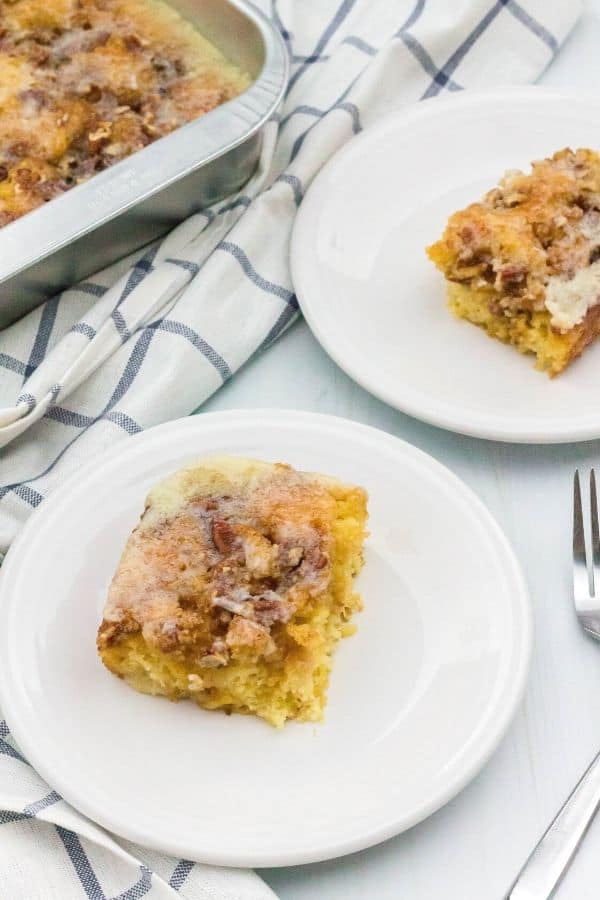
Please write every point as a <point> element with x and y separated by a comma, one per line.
<point>377,304</point>
<point>419,697</point>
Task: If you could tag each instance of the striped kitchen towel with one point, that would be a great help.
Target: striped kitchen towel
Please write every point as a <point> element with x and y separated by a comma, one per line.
<point>166,335</point>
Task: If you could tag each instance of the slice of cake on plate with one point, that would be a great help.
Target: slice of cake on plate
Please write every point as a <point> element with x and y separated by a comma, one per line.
<point>524,262</point>
<point>235,587</point>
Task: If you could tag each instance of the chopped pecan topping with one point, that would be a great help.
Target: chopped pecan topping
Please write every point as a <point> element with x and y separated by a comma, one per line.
<point>512,274</point>
<point>187,601</point>
<point>271,608</point>
<point>224,537</point>
<point>132,42</point>
<point>93,93</point>
<point>316,559</point>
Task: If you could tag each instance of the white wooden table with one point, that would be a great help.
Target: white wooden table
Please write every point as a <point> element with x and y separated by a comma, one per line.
<point>472,848</point>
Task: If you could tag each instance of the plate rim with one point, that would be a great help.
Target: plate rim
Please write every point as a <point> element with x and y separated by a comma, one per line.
<point>511,696</point>
<point>583,429</point>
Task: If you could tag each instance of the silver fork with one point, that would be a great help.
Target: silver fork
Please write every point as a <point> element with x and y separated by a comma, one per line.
<point>542,873</point>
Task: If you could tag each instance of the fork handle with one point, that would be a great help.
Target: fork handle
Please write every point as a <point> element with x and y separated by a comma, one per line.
<point>545,868</point>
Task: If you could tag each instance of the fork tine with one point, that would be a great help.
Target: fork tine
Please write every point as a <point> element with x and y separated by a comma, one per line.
<point>595,534</point>
<point>578,535</point>
<point>581,583</point>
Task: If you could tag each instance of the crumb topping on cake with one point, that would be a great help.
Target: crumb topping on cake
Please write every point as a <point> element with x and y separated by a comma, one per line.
<point>530,240</point>
<point>224,569</point>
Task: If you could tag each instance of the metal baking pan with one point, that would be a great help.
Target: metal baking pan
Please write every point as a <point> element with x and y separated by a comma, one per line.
<point>145,195</point>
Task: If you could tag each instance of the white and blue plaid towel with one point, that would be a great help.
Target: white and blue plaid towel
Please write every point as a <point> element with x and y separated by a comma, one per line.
<point>149,340</point>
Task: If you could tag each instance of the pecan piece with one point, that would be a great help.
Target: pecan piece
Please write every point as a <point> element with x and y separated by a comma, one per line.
<point>512,278</point>
<point>224,537</point>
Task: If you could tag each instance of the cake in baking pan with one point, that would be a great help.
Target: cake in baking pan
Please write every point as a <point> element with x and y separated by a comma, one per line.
<point>86,83</point>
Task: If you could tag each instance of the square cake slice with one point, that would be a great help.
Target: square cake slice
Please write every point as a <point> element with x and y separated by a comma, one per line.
<point>524,263</point>
<point>235,586</point>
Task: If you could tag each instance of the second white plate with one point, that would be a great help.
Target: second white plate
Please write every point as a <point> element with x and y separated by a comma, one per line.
<point>419,697</point>
<point>377,304</point>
